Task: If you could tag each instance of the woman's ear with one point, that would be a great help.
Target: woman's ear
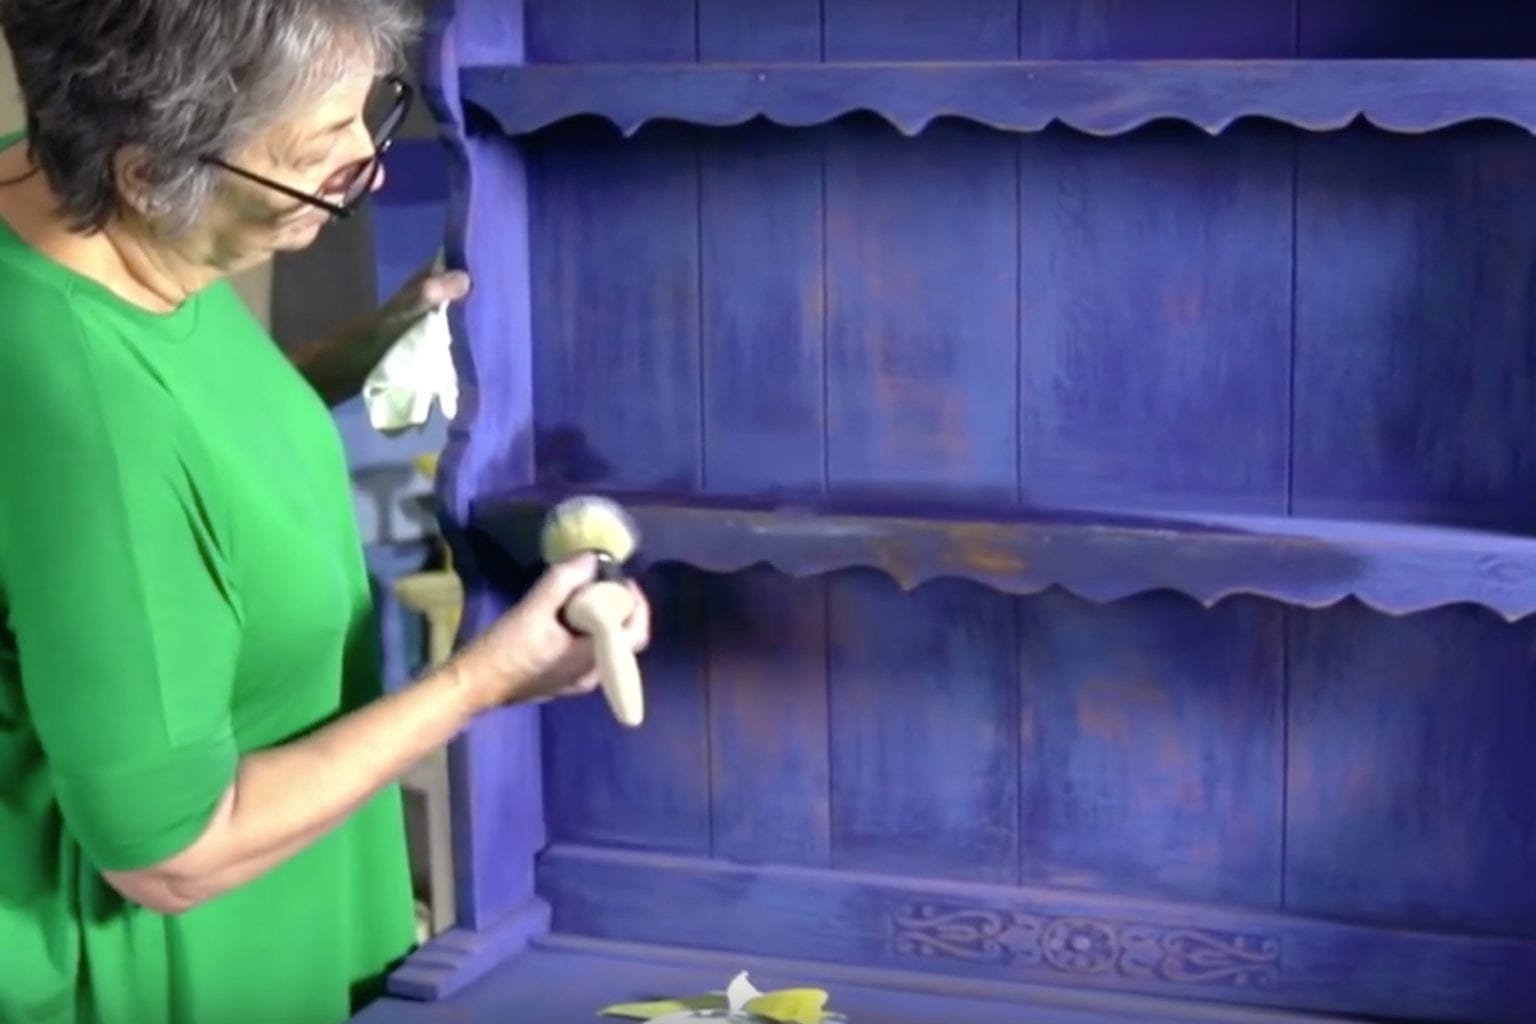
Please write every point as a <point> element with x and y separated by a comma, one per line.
<point>132,181</point>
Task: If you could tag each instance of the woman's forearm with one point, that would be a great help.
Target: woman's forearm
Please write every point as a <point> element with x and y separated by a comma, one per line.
<point>285,798</point>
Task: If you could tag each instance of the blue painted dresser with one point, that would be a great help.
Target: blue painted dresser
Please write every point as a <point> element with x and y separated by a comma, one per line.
<point>1085,455</point>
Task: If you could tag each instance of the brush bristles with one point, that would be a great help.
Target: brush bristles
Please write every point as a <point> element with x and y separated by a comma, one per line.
<point>588,523</point>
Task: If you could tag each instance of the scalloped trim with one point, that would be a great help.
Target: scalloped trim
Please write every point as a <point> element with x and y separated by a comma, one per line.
<point>1394,569</point>
<point>1100,98</point>
<point>1101,595</point>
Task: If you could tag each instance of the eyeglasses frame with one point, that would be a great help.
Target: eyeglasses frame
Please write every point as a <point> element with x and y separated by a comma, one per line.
<point>404,94</point>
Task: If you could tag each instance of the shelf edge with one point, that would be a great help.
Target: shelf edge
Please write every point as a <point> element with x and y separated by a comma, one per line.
<point>1102,99</point>
<point>1392,569</point>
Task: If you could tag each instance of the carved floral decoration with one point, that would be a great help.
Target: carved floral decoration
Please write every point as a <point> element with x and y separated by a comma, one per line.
<point>1086,946</point>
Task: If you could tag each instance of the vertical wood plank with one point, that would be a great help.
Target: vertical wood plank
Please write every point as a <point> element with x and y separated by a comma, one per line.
<point>1410,755</point>
<point>922,346</point>
<point>1425,340</point>
<point>1156,320</point>
<point>767,637</point>
<point>925,737</point>
<point>616,308</point>
<point>764,419</point>
<point>759,30</point>
<point>576,31</point>
<point>763,308</point>
<point>1167,30</point>
<point>1153,753</point>
<point>644,788</point>
<point>922,30</point>
<point>616,311</point>
<point>922,349</point>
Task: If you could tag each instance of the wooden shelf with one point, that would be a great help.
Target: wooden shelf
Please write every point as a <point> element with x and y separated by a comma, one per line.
<point>1395,568</point>
<point>1096,97</point>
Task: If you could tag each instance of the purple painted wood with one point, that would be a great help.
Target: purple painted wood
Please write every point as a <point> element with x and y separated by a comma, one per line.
<point>924,730</point>
<point>565,31</point>
<point>840,349</point>
<point>1026,936</point>
<point>1432,353</point>
<point>770,763</point>
<point>920,393</point>
<point>498,813</point>
<point>1154,747</point>
<point>1095,97</point>
<point>1142,256</point>
<point>1444,845</point>
<point>616,298</point>
<point>922,310</point>
<point>1398,568</point>
<point>567,980</point>
<point>454,960</point>
<point>866,30</point>
<point>731,30</point>
<point>1167,30</point>
<point>616,308</point>
<point>762,308</point>
<point>594,767</point>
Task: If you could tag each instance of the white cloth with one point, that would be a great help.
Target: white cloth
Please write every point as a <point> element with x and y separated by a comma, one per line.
<point>415,372</point>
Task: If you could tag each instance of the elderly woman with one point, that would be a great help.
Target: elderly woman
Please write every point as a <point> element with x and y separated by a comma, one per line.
<point>198,819</point>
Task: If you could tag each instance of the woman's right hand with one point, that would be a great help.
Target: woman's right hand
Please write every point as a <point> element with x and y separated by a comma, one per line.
<point>529,655</point>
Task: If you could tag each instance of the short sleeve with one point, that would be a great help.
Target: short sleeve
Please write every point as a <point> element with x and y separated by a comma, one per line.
<point>115,596</point>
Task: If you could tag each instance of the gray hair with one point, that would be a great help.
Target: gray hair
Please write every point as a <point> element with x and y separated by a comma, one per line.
<point>181,79</point>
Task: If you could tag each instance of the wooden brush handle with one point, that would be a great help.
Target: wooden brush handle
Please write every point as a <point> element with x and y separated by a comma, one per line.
<point>599,610</point>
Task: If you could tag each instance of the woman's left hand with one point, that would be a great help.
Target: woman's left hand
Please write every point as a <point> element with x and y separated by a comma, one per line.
<point>427,289</point>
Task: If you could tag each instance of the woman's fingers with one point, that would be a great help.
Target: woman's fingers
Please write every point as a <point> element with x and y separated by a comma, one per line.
<point>637,628</point>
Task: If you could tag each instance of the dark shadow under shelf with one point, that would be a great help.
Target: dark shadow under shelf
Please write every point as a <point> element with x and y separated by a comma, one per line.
<point>1393,567</point>
<point>1096,97</point>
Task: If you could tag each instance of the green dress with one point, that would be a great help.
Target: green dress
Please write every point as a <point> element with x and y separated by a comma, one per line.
<point>181,582</point>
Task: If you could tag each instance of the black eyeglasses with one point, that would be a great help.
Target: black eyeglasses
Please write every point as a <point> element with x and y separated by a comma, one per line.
<point>387,110</point>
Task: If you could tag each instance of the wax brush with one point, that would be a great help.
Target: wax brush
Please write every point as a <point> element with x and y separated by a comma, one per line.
<point>599,525</point>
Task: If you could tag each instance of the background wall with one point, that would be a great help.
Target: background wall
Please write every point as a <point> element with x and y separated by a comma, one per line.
<point>10,103</point>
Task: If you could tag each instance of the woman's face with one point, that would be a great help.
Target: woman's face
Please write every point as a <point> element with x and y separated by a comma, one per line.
<point>318,150</point>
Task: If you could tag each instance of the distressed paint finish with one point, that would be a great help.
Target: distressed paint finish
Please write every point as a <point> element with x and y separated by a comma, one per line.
<point>1170,30</point>
<point>924,738</point>
<point>776,30</point>
<point>1114,378</point>
<point>1433,353</point>
<point>575,31</point>
<point>616,309</point>
<point>1167,722</point>
<point>594,767</point>
<point>915,30</point>
<point>616,293</point>
<point>1439,846</point>
<point>1393,567</point>
<point>1014,936</point>
<point>922,352</point>
<point>495,769</point>
<point>935,326</point>
<point>568,977</point>
<point>762,314</point>
<point>1095,97</point>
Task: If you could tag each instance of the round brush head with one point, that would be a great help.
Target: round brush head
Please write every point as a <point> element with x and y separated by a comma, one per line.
<point>588,523</point>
